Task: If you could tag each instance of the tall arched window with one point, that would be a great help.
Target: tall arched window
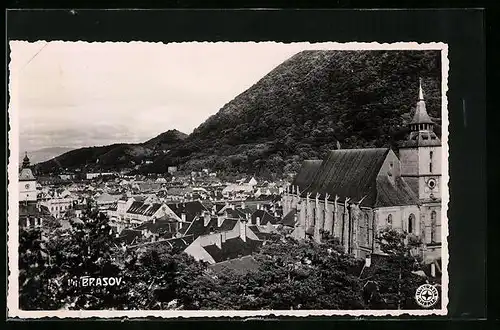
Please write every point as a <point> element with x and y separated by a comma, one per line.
<point>389,220</point>
<point>433,226</point>
<point>368,231</point>
<point>411,223</point>
<point>430,161</point>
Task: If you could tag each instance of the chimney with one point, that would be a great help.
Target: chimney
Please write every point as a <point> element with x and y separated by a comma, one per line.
<point>220,220</point>
<point>258,221</point>
<point>206,219</point>
<point>218,241</point>
<point>223,236</point>
<point>243,230</point>
<point>40,221</point>
<point>258,206</point>
<point>242,205</point>
<point>433,270</point>
<point>183,217</point>
<point>154,220</point>
<point>232,206</point>
<point>275,214</point>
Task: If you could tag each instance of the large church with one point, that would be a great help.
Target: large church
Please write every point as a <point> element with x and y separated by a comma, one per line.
<point>352,194</point>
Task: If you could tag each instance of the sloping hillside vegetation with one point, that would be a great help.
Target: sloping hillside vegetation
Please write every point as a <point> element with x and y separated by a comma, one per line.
<point>115,156</point>
<point>304,106</point>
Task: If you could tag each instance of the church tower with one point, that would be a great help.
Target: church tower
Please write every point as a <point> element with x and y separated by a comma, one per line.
<point>420,157</point>
<point>27,182</point>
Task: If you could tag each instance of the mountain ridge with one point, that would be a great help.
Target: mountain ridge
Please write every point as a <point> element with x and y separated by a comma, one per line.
<point>305,107</point>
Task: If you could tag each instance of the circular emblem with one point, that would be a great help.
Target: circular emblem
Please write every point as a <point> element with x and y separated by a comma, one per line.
<point>427,295</point>
<point>27,186</point>
<point>431,183</point>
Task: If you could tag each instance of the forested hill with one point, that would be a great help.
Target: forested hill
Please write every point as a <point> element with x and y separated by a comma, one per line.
<point>297,111</point>
<point>302,107</point>
<point>115,156</point>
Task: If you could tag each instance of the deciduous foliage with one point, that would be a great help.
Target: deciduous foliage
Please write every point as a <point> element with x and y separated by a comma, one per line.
<point>393,282</point>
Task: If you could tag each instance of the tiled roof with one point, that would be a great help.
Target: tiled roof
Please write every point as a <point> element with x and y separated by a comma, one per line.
<point>289,218</point>
<point>144,208</point>
<point>261,235</point>
<point>399,193</point>
<point>241,265</point>
<point>177,244</point>
<point>421,116</point>
<point>160,226</point>
<point>306,173</point>
<point>26,175</point>
<point>191,209</point>
<point>232,248</point>
<point>421,139</point>
<point>264,216</point>
<point>228,224</point>
<point>128,236</point>
<point>348,173</point>
<point>235,214</point>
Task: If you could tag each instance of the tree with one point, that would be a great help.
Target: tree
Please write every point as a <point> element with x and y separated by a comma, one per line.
<point>393,282</point>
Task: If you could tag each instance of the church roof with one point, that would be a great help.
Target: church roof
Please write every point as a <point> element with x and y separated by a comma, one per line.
<point>26,175</point>
<point>394,194</point>
<point>348,173</point>
<point>421,116</point>
<point>354,174</point>
<point>421,139</point>
<point>306,172</point>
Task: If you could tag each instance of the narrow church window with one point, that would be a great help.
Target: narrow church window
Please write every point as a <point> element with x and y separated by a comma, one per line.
<point>430,164</point>
<point>367,224</point>
<point>433,227</point>
<point>389,220</point>
<point>411,223</point>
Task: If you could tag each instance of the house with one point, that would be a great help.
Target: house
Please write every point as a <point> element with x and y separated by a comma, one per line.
<point>140,212</point>
<point>222,246</point>
<point>163,227</point>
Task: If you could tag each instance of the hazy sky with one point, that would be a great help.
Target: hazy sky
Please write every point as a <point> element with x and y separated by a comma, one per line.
<point>76,94</point>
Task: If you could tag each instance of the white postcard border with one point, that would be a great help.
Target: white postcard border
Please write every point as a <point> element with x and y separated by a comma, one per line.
<point>13,214</point>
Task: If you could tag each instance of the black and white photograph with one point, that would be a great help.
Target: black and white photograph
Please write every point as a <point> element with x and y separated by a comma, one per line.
<point>242,179</point>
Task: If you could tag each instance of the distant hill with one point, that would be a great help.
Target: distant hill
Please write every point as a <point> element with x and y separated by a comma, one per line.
<point>42,155</point>
<point>115,156</point>
<point>299,110</point>
<point>305,105</point>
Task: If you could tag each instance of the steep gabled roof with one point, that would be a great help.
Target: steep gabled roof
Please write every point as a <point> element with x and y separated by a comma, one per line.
<point>306,173</point>
<point>191,209</point>
<point>394,194</point>
<point>264,216</point>
<point>26,175</point>
<point>232,248</point>
<point>289,218</point>
<point>161,225</point>
<point>241,265</point>
<point>348,173</point>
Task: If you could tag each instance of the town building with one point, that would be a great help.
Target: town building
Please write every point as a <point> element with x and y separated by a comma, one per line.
<point>31,213</point>
<point>27,183</point>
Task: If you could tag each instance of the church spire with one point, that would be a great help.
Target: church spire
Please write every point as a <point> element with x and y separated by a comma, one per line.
<point>420,92</point>
<point>421,119</point>
<point>26,160</point>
